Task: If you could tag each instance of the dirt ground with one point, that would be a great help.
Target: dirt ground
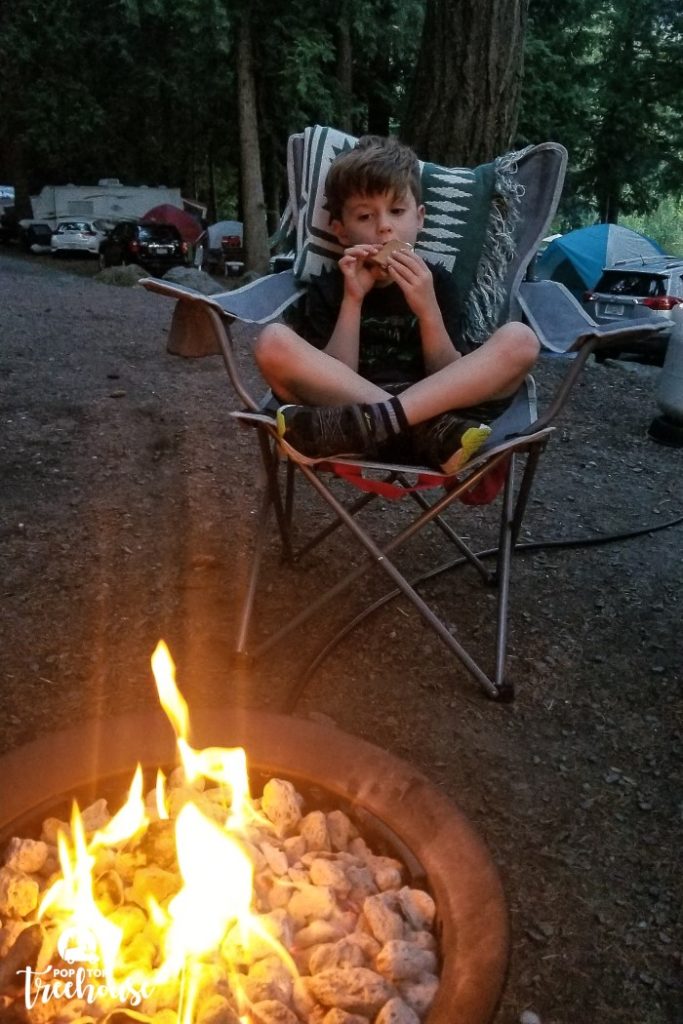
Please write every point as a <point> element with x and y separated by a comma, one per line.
<point>127,506</point>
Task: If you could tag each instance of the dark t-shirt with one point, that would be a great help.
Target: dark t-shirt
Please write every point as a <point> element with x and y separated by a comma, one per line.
<point>390,348</point>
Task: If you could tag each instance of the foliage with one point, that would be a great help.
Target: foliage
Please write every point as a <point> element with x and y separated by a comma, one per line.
<point>664,224</point>
<point>606,79</point>
<point>145,90</point>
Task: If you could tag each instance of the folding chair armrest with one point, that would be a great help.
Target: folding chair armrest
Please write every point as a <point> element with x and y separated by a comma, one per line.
<point>258,302</point>
<point>562,324</point>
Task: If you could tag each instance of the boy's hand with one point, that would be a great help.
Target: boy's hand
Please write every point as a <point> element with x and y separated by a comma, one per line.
<point>414,278</point>
<point>359,279</point>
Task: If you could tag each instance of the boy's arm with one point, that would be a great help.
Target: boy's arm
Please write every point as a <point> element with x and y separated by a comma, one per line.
<point>415,280</point>
<point>345,338</point>
<point>358,280</point>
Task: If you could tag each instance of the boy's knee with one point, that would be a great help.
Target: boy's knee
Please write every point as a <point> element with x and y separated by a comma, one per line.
<point>271,346</point>
<point>522,344</point>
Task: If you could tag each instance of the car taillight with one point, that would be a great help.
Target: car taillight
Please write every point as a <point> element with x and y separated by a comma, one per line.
<point>231,241</point>
<point>183,247</point>
<point>134,246</point>
<point>661,302</point>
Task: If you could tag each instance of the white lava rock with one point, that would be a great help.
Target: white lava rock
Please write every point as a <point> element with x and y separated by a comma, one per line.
<point>18,893</point>
<point>268,980</point>
<point>337,1016</point>
<point>270,1011</point>
<point>96,815</point>
<point>27,855</point>
<point>326,872</point>
<point>400,960</point>
<point>418,908</point>
<point>318,932</point>
<point>384,923</point>
<point>275,858</point>
<point>340,830</point>
<point>420,994</point>
<point>313,828</point>
<point>356,989</point>
<point>280,804</point>
<point>311,902</point>
<point>336,954</point>
<point>396,1012</point>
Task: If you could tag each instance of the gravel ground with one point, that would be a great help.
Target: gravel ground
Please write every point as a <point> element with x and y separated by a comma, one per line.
<point>126,510</point>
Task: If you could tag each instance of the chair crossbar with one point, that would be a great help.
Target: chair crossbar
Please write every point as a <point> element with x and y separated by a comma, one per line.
<point>512,513</point>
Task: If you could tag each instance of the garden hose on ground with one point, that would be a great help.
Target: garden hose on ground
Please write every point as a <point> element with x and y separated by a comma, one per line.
<point>454,563</point>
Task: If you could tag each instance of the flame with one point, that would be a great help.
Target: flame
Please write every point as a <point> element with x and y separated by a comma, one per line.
<point>170,697</point>
<point>71,897</point>
<point>128,821</point>
<point>160,796</point>
<point>208,910</point>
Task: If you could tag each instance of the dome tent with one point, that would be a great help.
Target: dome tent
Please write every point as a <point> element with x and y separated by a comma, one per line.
<point>577,259</point>
<point>190,229</point>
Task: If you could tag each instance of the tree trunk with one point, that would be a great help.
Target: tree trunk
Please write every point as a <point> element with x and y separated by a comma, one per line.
<point>465,96</point>
<point>345,69</point>
<point>253,203</point>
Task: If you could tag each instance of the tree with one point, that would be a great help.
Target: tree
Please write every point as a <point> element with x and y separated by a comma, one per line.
<point>636,125</point>
<point>465,97</point>
<point>606,79</point>
<point>253,203</point>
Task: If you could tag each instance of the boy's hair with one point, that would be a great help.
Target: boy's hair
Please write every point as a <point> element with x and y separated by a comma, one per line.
<point>375,166</point>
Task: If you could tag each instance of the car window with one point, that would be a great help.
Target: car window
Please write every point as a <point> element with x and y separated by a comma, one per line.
<point>72,225</point>
<point>157,233</point>
<point>618,282</point>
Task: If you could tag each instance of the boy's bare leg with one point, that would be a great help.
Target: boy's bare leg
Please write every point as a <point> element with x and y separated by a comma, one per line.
<point>297,372</point>
<point>495,370</point>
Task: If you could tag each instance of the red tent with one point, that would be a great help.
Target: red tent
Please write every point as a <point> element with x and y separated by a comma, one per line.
<point>189,228</point>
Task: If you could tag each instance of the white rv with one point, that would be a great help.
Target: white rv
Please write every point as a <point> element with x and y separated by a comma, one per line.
<point>109,200</point>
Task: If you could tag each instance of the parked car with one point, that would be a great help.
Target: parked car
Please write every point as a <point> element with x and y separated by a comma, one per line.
<point>84,236</point>
<point>220,248</point>
<point>641,289</point>
<point>156,247</point>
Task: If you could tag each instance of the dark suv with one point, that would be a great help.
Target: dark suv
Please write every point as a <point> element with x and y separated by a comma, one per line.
<point>156,247</point>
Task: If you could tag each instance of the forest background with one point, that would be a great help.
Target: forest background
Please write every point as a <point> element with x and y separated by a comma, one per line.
<point>203,95</point>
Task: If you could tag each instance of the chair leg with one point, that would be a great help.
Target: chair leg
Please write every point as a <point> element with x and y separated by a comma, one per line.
<point>455,539</point>
<point>270,462</point>
<point>507,521</point>
<point>380,557</point>
<point>257,555</point>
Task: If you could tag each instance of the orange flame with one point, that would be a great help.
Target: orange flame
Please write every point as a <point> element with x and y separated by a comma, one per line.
<point>189,924</point>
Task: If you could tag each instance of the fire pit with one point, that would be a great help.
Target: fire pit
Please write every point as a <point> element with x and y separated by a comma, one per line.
<point>395,801</point>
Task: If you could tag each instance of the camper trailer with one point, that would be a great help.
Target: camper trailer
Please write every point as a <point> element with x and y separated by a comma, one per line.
<point>109,201</point>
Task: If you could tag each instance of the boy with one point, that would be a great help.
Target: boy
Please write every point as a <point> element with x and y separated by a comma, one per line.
<point>382,361</point>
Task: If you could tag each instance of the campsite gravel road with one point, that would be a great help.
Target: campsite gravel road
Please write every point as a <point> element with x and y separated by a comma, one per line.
<point>127,504</point>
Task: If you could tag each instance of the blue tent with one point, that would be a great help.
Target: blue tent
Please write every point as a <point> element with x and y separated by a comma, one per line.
<point>577,258</point>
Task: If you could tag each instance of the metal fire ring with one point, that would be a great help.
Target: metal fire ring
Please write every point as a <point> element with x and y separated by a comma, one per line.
<point>472,915</point>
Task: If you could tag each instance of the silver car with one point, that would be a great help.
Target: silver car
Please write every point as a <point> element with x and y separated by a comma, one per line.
<point>637,289</point>
<point>640,289</point>
<point>78,236</point>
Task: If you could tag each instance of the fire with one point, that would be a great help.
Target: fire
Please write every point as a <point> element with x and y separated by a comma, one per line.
<point>192,918</point>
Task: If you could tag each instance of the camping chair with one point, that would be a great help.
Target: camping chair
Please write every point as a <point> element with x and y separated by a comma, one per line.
<point>485,225</point>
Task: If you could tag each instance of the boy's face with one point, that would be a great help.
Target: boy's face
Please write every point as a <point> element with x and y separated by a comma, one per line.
<point>379,218</point>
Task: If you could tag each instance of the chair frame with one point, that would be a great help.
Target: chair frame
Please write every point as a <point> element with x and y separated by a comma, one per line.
<point>562,326</point>
<point>278,497</point>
